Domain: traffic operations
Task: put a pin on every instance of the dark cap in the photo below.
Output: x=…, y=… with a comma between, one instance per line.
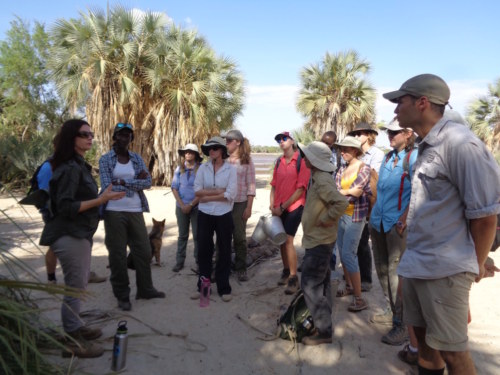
x=428, y=85
x=234, y=134
x=215, y=141
x=362, y=126
x=282, y=134
x=123, y=126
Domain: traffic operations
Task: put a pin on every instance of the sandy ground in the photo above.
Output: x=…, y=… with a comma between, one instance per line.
x=176, y=336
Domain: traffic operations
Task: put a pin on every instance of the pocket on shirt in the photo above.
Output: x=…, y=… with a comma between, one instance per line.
x=434, y=181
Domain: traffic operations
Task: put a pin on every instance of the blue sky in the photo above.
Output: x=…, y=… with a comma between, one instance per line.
x=271, y=41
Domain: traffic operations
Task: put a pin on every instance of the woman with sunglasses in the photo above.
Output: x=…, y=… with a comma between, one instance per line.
x=215, y=187
x=124, y=220
x=238, y=148
x=287, y=199
x=388, y=226
x=186, y=203
x=74, y=204
x=352, y=181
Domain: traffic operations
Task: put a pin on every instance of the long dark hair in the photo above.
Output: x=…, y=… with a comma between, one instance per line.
x=64, y=147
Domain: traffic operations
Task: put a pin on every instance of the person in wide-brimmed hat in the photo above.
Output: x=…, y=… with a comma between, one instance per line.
x=215, y=186
x=320, y=218
x=186, y=205
x=352, y=181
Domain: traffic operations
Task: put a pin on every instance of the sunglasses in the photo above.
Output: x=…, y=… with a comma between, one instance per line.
x=393, y=133
x=84, y=134
x=215, y=148
x=229, y=140
x=121, y=125
x=282, y=139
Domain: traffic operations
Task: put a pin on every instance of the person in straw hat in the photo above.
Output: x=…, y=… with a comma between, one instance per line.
x=320, y=218
x=186, y=203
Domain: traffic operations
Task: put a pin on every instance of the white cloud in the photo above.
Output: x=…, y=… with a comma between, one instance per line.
x=282, y=95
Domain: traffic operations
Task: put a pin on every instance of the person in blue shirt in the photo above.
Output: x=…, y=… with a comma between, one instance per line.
x=388, y=225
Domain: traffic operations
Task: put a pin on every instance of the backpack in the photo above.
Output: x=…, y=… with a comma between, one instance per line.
x=406, y=172
x=36, y=197
x=296, y=322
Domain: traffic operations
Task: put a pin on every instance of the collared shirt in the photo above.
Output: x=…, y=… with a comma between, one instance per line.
x=373, y=157
x=286, y=181
x=184, y=184
x=225, y=178
x=71, y=184
x=107, y=164
x=386, y=210
x=361, y=202
x=455, y=179
x=324, y=204
x=246, y=179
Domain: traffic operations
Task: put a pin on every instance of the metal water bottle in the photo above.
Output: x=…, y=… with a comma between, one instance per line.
x=120, y=347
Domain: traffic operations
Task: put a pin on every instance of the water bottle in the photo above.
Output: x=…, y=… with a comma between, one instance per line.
x=204, y=292
x=120, y=347
x=308, y=323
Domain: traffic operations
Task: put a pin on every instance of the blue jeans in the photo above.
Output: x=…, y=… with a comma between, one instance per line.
x=183, y=221
x=348, y=237
x=315, y=283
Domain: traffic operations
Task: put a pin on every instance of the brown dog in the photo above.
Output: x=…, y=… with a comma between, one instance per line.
x=155, y=239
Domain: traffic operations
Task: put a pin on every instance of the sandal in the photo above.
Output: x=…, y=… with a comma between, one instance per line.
x=358, y=304
x=343, y=292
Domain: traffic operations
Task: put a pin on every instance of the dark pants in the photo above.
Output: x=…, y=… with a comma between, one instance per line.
x=315, y=283
x=365, y=257
x=240, y=236
x=183, y=221
x=122, y=229
x=222, y=226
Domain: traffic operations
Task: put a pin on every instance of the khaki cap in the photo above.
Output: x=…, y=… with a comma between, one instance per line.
x=428, y=85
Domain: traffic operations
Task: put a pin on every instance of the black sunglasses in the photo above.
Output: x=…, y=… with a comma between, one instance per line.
x=122, y=125
x=84, y=134
x=282, y=139
x=393, y=133
x=215, y=148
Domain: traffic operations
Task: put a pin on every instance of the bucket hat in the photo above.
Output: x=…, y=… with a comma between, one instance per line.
x=215, y=141
x=350, y=141
x=190, y=147
x=362, y=126
x=318, y=155
x=428, y=85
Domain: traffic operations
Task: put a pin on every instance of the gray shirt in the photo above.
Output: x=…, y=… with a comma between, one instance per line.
x=373, y=158
x=455, y=179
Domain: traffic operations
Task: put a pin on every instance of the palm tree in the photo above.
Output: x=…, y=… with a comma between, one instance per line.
x=140, y=68
x=335, y=95
x=484, y=117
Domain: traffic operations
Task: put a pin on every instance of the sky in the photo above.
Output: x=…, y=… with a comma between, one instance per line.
x=272, y=41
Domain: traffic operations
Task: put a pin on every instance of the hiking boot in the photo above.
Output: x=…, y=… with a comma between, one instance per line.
x=366, y=286
x=285, y=274
x=178, y=267
x=293, y=285
x=407, y=356
x=385, y=318
x=357, y=304
x=79, y=347
x=150, y=294
x=398, y=335
x=317, y=338
x=125, y=304
x=87, y=333
x=93, y=278
x=242, y=276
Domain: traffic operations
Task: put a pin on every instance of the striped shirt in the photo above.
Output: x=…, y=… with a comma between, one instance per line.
x=245, y=179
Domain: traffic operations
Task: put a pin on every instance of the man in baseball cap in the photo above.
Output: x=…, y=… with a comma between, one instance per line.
x=451, y=224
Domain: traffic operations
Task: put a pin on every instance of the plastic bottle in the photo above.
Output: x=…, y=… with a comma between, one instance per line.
x=204, y=292
x=120, y=347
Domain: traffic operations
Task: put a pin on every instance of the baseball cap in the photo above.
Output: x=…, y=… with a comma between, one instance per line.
x=283, y=134
x=428, y=85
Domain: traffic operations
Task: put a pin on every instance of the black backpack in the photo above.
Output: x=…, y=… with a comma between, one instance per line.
x=36, y=197
x=296, y=322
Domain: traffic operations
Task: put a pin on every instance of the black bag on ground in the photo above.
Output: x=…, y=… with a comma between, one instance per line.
x=296, y=322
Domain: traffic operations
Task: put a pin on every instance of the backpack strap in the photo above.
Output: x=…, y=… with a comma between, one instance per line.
x=277, y=163
x=406, y=174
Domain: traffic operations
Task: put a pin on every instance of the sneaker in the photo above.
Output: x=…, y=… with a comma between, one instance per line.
x=178, y=267
x=357, y=304
x=149, y=295
x=317, y=339
x=398, y=335
x=407, y=356
x=242, y=276
x=293, y=285
x=89, y=333
x=226, y=297
x=385, y=318
x=366, y=286
x=195, y=295
x=125, y=304
x=93, y=278
x=285, y=274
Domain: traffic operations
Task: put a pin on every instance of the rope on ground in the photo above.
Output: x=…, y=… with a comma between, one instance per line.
x=268, y=336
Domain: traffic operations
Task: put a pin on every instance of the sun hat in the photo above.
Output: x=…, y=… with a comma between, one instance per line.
x=393, y=126
x=318, y=155
x=282, y=134
x=233, y=134
x=362, y=126
x=121, y=126
x=189, y=147
x=428, y=85
x=215, y=141
x=350, y=141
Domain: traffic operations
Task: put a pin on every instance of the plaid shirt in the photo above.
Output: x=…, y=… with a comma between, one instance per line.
x=245, y=179
x=363, y=181
x=107, y=164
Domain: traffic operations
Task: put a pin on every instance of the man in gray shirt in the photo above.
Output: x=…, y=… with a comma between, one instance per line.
x=451, y=224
